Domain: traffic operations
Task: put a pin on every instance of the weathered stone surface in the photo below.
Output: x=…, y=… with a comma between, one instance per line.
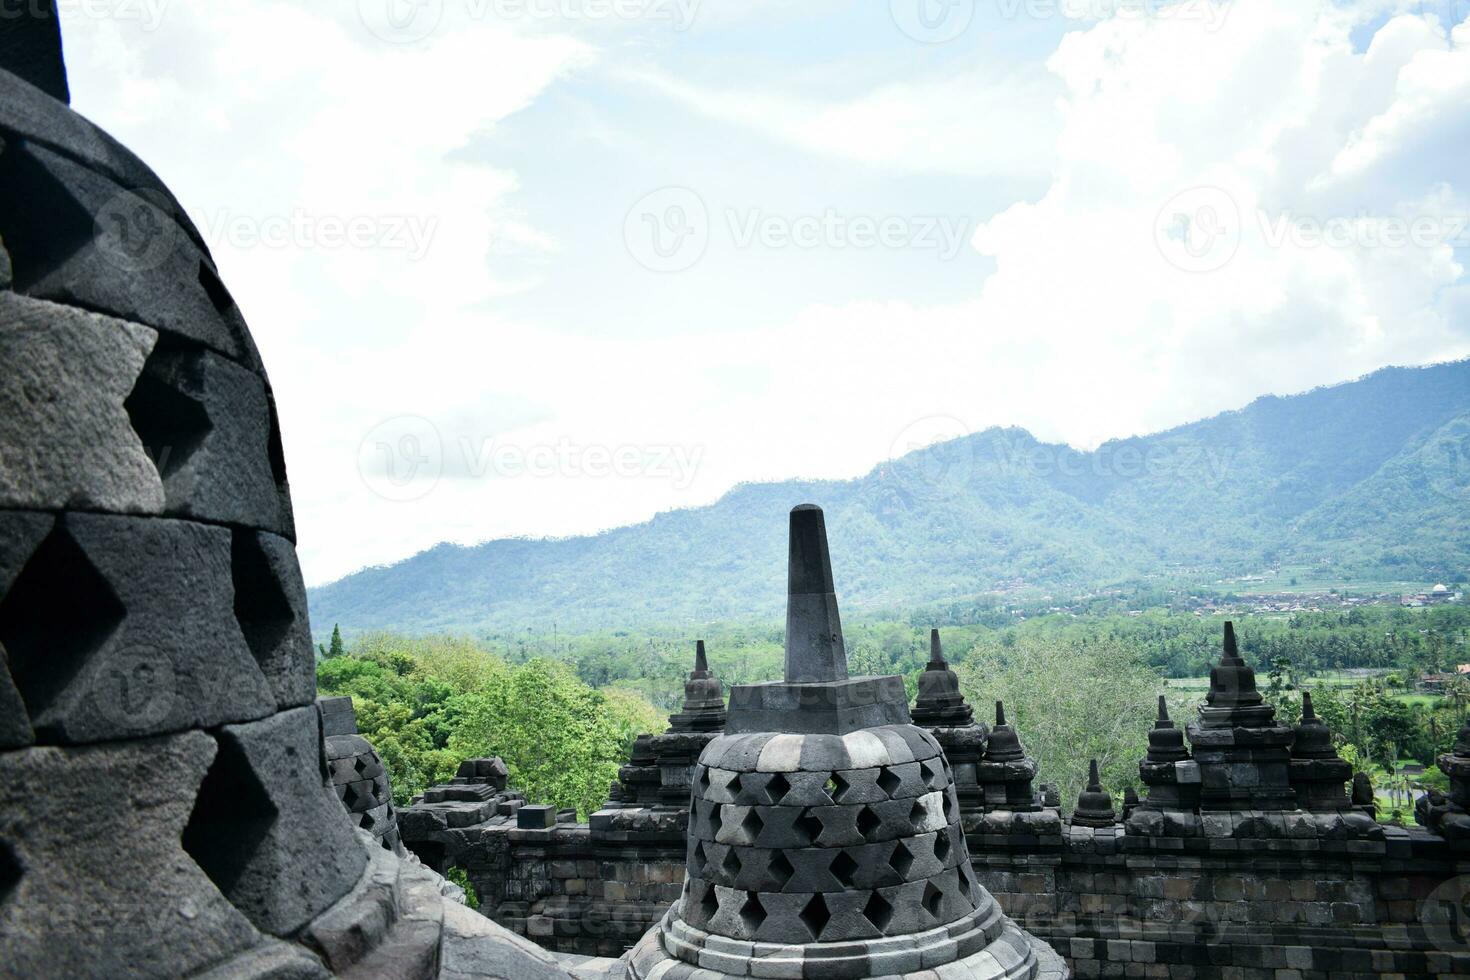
x=65, y=436
x=75, y=236
x=272, y=960
x=20, y=534
x=474, y=948
x=105, y=889
x=30, y=46
x=339, y=717
x=268, y=830
x=123, y=626
x=270, y=605
x=208, y=423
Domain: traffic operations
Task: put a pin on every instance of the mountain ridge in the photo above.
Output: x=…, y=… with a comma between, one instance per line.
x=1370, y=475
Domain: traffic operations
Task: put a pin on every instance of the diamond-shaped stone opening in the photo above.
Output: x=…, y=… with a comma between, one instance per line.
x=926, y=772
x=702, y=783
x=698, y=860
x=731, y=864
x=780, y=870
x=58, y=615
x=808, y=828
x=171, y=424
x=261, y=607
x=965, y=888
x=888, y=782
x=710, y=903
x=836, y=787
x=948, y=809
x=843, y=867
x=919, y=814
x=878, y=911
x=901, y=860
x=232, y=816
x=868, y=822
x=752, y=913
x=816, y=916
x=366, y=822
x=360, y=764
x=941, y=845
x=716, y=820
x=274, y=449
x=11, y=871
x=932, y=899
x=733, y=787
x=752, y=825
x=777, y=787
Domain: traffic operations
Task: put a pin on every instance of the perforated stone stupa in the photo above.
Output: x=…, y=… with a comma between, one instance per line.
x=824, y=831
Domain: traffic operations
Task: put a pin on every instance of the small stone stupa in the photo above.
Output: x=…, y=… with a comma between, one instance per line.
x=824, y=835
x=1171, y=786
x=942, y=709
x=1242, y=751
x=704, y=699
x=1318, y=774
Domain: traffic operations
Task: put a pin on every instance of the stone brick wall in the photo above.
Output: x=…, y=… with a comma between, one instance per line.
x=1115, y=904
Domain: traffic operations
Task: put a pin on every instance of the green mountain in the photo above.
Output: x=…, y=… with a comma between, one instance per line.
x=1367, y=481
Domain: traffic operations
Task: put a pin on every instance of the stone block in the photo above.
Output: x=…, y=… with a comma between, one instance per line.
x=338, y=715
x=118, y=627
x=93, y=834
x=535, y=817
x=267, y=828
x=209, y=423
x=65, y=434
x=270, y=606
x=838, y=707
x=82, y=239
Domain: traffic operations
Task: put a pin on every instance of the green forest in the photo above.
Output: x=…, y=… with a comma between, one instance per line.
x=1360, y=486
x=563, y=709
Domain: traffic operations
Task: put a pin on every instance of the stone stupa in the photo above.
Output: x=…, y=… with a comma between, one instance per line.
x=824, y=833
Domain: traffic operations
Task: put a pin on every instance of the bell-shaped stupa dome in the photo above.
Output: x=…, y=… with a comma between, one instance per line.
x=824, y=830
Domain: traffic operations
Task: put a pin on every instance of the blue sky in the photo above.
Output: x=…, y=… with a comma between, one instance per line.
x=540, y=267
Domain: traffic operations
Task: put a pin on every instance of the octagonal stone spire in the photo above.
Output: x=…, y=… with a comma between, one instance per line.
x=814, y=648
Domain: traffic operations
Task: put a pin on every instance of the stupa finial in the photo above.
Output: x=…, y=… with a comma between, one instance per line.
x=814, y=648
x=701, y=665
x=936, y=652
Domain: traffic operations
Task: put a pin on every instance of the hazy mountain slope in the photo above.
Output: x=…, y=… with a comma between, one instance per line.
x=1373, y=475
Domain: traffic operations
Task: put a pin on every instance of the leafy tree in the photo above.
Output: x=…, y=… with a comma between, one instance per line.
x=1070, y=702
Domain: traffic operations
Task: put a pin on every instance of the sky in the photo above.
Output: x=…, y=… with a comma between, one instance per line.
x=544, y=267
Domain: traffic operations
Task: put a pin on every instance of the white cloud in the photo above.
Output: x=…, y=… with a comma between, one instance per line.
x=1083, y=331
